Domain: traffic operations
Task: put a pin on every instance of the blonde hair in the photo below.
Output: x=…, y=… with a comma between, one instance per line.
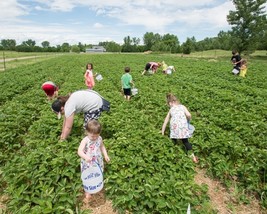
x=171, y=98
x=243, y=62
x=93, y=127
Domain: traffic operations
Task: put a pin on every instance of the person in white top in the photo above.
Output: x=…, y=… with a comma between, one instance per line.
x=92, y=149
x=87, y=101
x=178, y=115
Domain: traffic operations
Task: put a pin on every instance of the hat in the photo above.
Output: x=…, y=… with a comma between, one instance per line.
x=56, y=107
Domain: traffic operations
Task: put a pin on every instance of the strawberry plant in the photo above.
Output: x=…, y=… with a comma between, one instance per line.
x=147, y=173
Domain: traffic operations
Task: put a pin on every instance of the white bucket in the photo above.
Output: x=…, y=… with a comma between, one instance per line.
x=150, y=71
x=235, y=71
x=191, y=129
x=92, y=179
x=99, y=77
x=168, y=71
x=134, y=91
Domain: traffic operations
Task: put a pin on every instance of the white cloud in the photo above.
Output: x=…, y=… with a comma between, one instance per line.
x=10, y=10
x=111, y=19
x=98, y=25
x=205, y=16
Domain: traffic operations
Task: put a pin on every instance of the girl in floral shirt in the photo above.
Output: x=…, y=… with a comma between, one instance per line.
x=178, y=116
x=91, y=149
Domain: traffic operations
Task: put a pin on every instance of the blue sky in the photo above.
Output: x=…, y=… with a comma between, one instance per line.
x=92, y=21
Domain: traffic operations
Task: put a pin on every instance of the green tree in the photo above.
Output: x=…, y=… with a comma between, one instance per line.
x=45, y=44
x=82, y=47
x=30, y=43
x=187, y=46
x=65, y=47
x=263, y=43
x=224, y=39
x=193, y=44
x=37, y=49
x=75, y=49
x=161, y=46
x=171, y=41
x=8, y=44
x=24, y=48
x=249, y=24
x=151, y=39
x=136, y=41
x=112, y=47
x=127, y=46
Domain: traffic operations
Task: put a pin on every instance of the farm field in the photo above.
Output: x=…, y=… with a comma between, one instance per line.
x=12, y=59
x=147, y=173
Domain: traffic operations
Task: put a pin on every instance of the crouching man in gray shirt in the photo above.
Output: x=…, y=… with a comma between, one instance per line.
x=89, y=102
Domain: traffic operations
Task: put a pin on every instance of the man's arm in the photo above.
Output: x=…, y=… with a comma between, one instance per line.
x=67, y=126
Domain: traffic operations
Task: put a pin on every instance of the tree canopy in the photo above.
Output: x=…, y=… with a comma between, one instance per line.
x=248, y=24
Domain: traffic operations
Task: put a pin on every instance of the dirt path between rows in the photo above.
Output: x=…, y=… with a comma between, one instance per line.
x=220, y=199
x=19, y=58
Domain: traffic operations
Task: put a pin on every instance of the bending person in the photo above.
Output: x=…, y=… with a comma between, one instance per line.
x=151, y=67
x=50, y=89
x=87, y=101
x=236, y=61
x=167, y=69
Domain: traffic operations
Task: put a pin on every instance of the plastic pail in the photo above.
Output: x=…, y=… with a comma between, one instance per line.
x=191, y=129
x=92, y=179
x=134, y=91
x=168, y=71
x=235, y=71
x=99, y=77
x=150, y=71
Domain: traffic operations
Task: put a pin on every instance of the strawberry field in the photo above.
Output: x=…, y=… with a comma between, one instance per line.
x=147, y=172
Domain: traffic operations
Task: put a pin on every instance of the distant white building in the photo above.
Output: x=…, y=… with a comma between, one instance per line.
x=95, y=48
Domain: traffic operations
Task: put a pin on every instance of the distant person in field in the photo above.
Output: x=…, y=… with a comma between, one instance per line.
x=87, y=101
x=127, y=83
x=50, y=89
x=179, y=117
x=167, y=69
x=89, y=76
x=91, y=149
x=236, y=62
x=151, y=68
x=243, y=69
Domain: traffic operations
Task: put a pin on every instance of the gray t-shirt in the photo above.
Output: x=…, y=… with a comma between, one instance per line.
x=82, y=101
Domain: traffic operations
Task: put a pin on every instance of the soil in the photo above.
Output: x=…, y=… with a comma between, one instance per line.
x=18, y=58
x=3, y=199
x=98, y=204
x=222, y=200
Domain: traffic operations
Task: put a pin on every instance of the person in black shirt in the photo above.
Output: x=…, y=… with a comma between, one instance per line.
x=236, y=61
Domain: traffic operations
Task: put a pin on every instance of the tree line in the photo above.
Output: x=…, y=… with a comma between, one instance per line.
x=248, y=33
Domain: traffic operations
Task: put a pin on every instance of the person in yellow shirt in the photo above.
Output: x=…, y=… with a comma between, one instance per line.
x=243, y=68
x=166, y=69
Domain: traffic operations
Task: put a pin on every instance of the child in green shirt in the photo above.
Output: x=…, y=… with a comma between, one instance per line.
x=126, y=83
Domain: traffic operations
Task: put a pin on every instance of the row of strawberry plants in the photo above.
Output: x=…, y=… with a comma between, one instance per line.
x=146, y=110
x=55, y=205
x=236, y=149
x=20, y=104
x=245, y=129
x=239, y=131
x=142, y=158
